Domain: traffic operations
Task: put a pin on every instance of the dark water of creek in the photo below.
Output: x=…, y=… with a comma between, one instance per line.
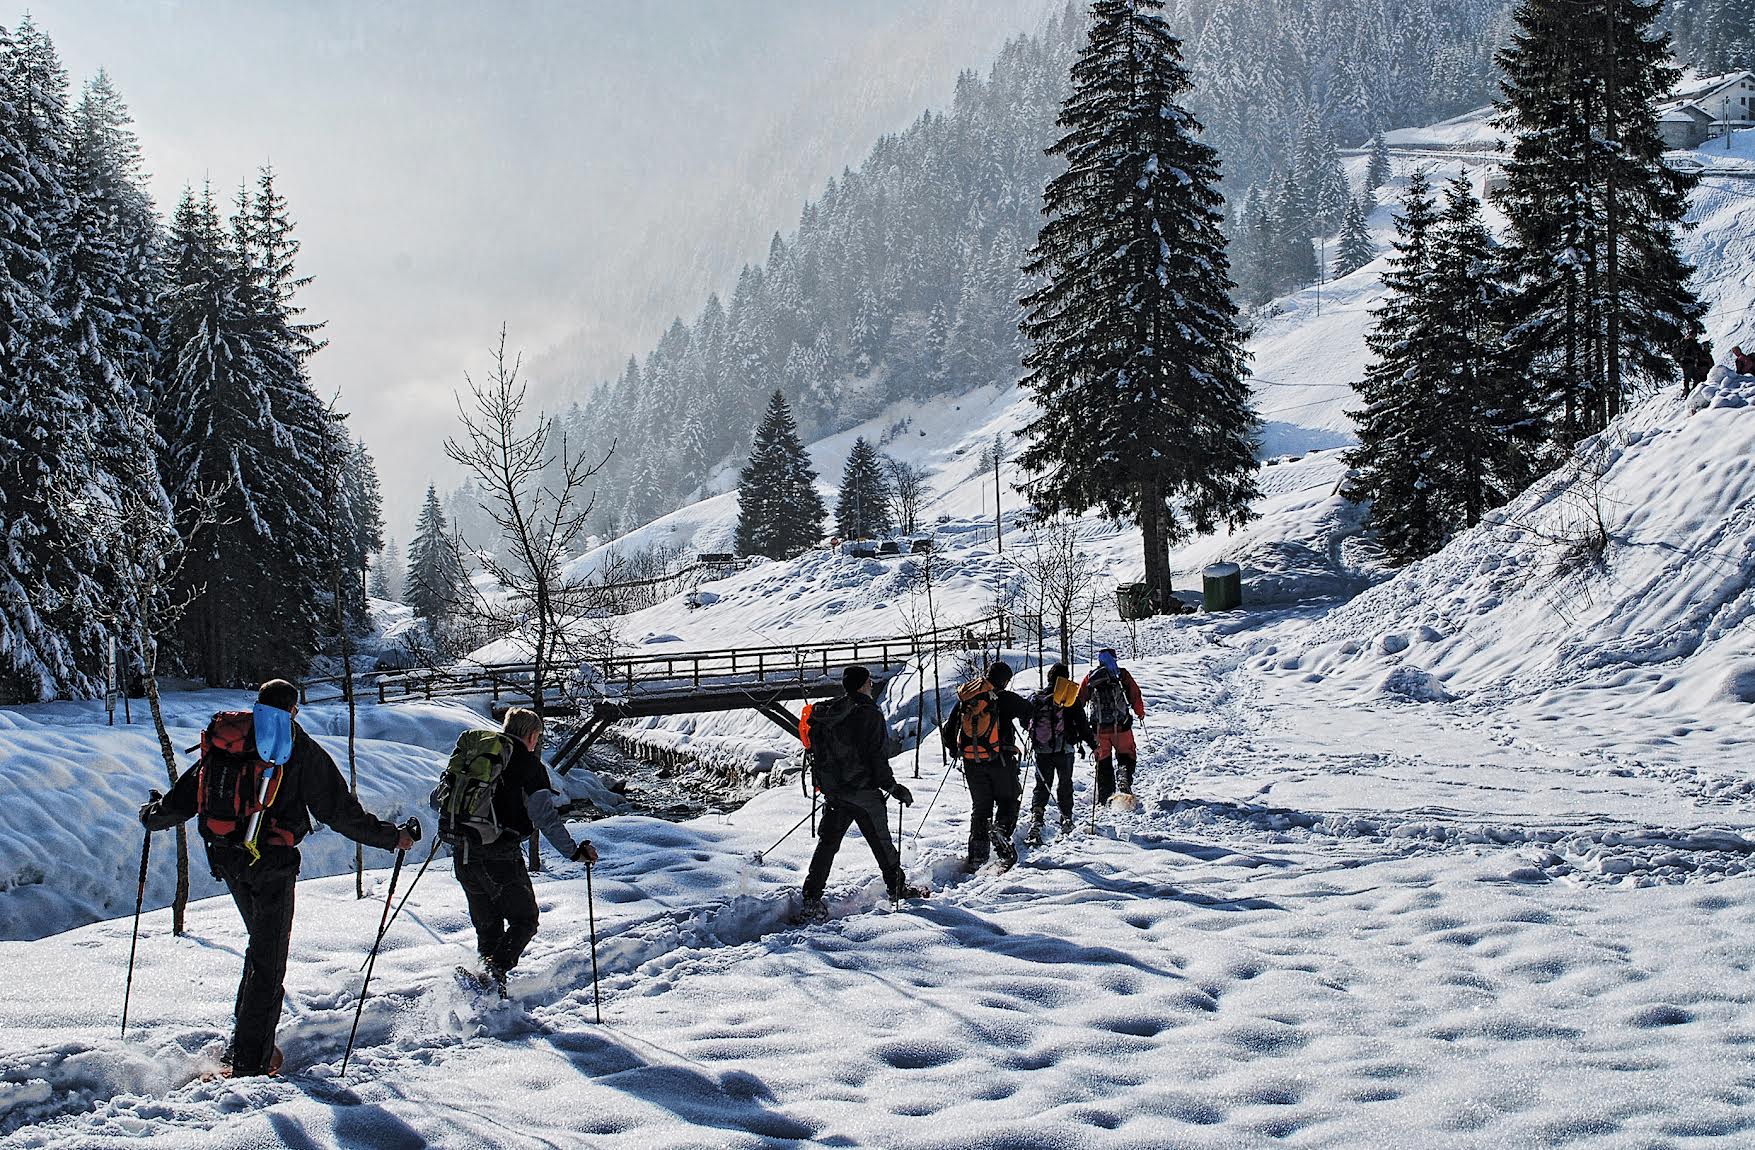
x=673, y=793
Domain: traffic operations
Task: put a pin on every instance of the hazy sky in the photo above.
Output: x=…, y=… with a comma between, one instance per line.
x=453, y=165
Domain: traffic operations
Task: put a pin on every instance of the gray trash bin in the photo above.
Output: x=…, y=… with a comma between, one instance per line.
x=1222, y=587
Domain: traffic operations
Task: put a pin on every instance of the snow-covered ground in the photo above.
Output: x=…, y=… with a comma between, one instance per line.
x=1463, y=860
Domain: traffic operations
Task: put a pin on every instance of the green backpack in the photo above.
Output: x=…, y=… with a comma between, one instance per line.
x=465, y=797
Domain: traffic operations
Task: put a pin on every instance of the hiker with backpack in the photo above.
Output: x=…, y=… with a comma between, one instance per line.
x=1114, y=699
x=1057, y=726
x=493, y=795
x=258, y=785
x=981, y=734
x=850, y=746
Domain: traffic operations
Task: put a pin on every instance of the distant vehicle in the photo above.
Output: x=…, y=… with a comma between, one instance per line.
x=889, y=547
x=920, y=546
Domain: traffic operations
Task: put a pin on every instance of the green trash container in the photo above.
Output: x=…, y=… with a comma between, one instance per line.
x=1222, y=587
x=1133, y=601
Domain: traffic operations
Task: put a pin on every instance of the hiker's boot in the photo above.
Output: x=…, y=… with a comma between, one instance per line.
x=907, y=891
x=814, y=908
x=1003, y=847
x=1033, y=835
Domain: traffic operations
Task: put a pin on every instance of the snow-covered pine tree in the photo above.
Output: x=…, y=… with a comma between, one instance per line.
x=1136, y=360
x=1294, y=256
x=436, y=580
x=237, y=411
x=53, y=580
x=1602, y=294
x=862, y=510
x=365, y=523
x=1399, y=419
x=1355, y=250
x=779, y=512
x=1489, y=431
x=1377, y=169
x=385, y=581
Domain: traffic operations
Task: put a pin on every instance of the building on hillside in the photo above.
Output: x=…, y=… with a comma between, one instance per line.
x=1686, y=126
x=1701, y=109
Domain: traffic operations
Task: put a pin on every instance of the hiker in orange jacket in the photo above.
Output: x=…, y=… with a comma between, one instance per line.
x=1113, y=699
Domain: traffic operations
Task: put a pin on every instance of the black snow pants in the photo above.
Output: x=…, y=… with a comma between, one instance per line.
x=1053, y=767
x=502, y=903
x=869, y=810
x=994, y=792
x=264, y=897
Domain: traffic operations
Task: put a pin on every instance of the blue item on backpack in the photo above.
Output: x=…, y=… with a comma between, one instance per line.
x=274, y=733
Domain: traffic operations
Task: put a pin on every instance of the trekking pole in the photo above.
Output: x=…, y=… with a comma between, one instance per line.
x=139, y=901
x=413, y=828
x=761, y=856
x=591, y=916
x=403, y=901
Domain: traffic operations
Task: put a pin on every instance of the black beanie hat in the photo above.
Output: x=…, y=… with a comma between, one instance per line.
x=1000, y=673
x=1058, y=671
x=854, y=678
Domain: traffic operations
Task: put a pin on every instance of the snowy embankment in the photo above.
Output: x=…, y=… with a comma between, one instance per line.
x=70, y=785
x=1629, y=574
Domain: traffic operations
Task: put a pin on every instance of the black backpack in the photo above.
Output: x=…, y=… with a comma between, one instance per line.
x=1109, y=709
x=837, y=767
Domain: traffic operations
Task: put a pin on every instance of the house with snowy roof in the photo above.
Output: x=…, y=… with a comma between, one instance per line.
x=1705, y=107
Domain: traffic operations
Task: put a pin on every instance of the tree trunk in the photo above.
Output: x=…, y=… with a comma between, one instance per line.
x=1157, y=546
x=180, y=901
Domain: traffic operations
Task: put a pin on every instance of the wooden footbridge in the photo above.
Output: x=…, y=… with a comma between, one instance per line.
x=627, y=686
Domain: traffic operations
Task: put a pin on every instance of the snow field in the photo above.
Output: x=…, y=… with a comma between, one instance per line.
x=1292, y=944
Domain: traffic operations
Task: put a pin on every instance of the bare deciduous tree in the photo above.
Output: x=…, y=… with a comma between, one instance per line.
x=908, y=487
x=1061, y=579
x=539, y=494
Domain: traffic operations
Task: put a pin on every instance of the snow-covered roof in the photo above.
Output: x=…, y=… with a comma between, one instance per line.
x=1692, y=112
x=1707, y=86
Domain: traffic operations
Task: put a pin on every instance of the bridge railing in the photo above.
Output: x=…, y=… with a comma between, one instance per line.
x=764, y=664
x=672, y=670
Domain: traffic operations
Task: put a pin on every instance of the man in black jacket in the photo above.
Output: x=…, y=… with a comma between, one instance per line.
x=990, y=759
x=309, y=786
x=494, y=877
x=851, y=743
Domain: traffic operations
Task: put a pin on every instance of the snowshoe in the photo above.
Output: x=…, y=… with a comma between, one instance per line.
x=483, y=982
x=1033, y=836
x=811, y=910
x=1005, y=848
x=908, y=891
x=1066, y=825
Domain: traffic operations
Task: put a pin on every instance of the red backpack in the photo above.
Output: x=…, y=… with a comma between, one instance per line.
x=236, y=784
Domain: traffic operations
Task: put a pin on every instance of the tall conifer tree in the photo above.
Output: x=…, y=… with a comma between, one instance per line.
x=1398, y=419
x=1355, y=250
x=779, y=512
x=1601, y=290
x=1136, y=360
x=863, y=509
x=436, y=580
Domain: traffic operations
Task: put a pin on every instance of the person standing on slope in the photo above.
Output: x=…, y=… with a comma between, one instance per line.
x=1114, y=699
x=1056, y=726
x=850, y=743
x=260, y=781
x=488, y=852
x=981, y=733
